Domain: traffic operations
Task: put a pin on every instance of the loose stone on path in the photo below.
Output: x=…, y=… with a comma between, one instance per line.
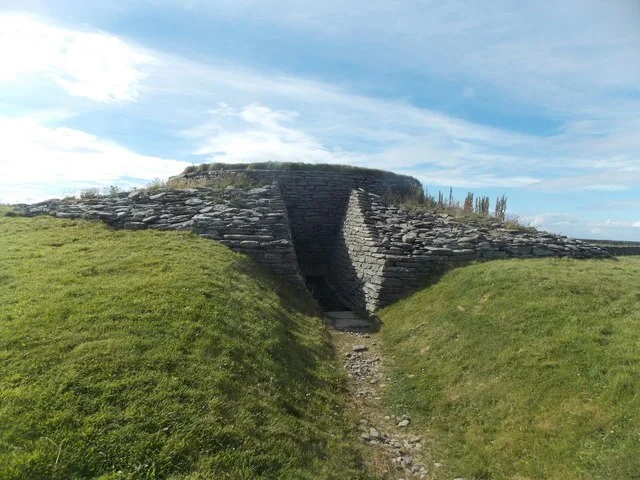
x=362, y=362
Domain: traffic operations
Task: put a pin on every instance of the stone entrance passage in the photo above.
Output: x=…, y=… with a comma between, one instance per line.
x=324, y=293
x=316, y=206
x=316, y=201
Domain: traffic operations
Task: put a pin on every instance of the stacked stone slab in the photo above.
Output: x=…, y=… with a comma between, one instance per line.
x=316, y=202
x=385, y=251
x=251, y=221
x=357, y=264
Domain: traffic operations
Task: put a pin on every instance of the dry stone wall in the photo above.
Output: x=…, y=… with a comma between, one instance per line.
x=395, y=250
x=252, y=221
x=357, y=264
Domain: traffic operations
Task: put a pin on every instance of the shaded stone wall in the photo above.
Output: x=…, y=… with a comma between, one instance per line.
x=316, y=202
x=251, y=221
x=356, y=269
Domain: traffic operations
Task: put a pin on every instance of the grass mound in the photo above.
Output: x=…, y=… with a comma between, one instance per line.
x=523, y=369
x=142, y=355
x=291, y=166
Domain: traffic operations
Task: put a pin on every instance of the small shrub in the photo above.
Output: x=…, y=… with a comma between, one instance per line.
x=482, y=206
x=112, y=190
x=182, y=183
x=156, y=184
x=88, y=193
x=468, y=211
x=514, y=222
x=412, y=198
x=468, y=203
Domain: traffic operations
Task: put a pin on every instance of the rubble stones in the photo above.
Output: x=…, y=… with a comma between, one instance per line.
x=362, y=369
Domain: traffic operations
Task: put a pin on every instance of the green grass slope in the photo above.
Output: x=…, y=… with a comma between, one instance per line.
x=523, y=369
x=142, y=355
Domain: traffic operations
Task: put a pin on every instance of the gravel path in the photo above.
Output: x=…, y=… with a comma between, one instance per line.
x=394, y=447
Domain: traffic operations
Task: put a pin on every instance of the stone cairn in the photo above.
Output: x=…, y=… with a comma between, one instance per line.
x=371, y=253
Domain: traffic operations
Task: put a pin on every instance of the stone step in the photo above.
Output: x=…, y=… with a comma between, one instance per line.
x=348, y=321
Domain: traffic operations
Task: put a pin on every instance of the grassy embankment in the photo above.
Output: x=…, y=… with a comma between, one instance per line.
x=141, y=355
x=523, y=369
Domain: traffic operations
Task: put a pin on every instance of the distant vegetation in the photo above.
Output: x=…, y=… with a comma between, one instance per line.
x=467, y=210
x=614, y=243
x=157, y=355
x=221, y=182
x=174, y=183
x=522, y=369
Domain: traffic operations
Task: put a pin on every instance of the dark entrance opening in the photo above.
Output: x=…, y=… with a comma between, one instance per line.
x=324, y=294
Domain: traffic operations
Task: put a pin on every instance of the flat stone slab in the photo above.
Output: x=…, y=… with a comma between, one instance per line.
x=348, y=321
x=347, y=315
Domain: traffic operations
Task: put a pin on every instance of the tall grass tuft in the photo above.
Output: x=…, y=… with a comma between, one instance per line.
x=220, y=182
x=501, y=207
x=470, y=210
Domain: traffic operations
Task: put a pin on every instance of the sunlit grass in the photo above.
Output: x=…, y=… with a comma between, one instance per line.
x=148, y=354
x=523, y=368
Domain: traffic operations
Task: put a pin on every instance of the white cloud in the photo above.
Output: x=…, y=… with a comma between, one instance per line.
x=257, y=133
x=552, y=220
x=621, y=223
x=273, y=116
x=577, y=226
x=503, y=51
x=38, y=161
x=561, y=56
x=93, y=65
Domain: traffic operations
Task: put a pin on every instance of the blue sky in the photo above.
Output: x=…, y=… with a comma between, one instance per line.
x=540, y=102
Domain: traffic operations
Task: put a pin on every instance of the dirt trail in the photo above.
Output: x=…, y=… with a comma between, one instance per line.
x=393, y=450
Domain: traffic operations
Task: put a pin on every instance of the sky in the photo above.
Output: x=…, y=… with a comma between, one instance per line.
x=539, y=101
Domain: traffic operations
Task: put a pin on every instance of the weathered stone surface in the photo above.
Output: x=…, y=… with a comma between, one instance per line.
x=316, y=203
